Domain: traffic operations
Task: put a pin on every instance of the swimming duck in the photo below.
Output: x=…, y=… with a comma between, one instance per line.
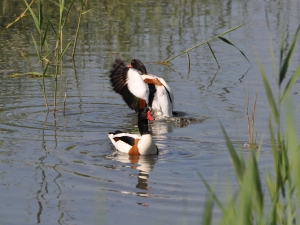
x=135, y=144
x=140, y=89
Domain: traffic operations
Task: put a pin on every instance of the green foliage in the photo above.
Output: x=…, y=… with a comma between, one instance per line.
x=248, y=205
x=46, y=55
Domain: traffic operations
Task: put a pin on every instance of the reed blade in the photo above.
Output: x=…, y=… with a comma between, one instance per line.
x=273, y=146
x=68, y=11
x=196, y=46
x=212, y=194
x=63, y=52
x=208, y=210
x=40, y=14
x=53, y=28
x=36, y=48
x=288, y=58
x=86, y=11
x=290, y=84
x=237, y=162
x=269, y=92
x=257, y=185
x=228, y=42
x=35, y=19
x=44, y=87
x=293, y=141
x=189, y=61
x=20, y=16
x=212, y=52
x=45, y=34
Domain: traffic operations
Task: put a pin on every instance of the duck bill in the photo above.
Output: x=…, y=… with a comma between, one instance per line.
x=129, y=66
x=149, y=116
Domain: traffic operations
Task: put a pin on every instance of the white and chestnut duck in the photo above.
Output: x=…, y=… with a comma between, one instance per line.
x=135, y=144
x=140, y=89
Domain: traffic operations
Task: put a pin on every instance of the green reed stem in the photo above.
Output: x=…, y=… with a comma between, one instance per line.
x=212, y=52
x=196, y=46
x=44, y=87
x=77, y=31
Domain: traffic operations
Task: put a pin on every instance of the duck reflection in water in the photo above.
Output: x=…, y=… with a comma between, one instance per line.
x=144, y=165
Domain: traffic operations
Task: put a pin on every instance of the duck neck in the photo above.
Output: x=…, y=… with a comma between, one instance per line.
x=143, y=126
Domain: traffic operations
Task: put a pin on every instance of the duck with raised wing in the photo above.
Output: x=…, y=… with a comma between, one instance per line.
x=140, y=89
x=135, y=144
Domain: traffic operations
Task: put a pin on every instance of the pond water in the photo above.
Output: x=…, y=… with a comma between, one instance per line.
x=62, y=169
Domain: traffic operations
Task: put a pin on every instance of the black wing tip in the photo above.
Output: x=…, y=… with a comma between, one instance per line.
x=127, y=139
x=118, y=80
x=117, y=65
x=118, y=75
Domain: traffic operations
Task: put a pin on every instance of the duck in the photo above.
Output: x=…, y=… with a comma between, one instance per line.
x=140, y=89
x=134, y=144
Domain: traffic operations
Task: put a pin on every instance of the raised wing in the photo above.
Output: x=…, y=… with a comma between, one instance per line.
x=130, y=85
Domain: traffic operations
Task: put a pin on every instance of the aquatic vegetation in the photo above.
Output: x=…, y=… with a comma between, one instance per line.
x=207, y=42
x=47, y=31
x=252, y=202
x=250, y=123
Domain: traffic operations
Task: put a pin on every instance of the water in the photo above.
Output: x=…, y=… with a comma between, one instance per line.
x=62, y=168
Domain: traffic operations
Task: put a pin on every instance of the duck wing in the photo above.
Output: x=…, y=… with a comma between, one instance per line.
x=129, y=84
x=123, y=141
x=161, y=98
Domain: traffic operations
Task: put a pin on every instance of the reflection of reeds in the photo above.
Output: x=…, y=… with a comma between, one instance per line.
x=247, y=204
x=250, y=123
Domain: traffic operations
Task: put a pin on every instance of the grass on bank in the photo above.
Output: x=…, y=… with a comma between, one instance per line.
x=279, y=201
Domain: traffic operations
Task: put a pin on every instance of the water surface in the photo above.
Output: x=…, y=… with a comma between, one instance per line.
x=62, y=169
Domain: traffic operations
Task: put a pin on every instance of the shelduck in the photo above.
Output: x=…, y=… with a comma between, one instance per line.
x=135, y=144
x=140, y=89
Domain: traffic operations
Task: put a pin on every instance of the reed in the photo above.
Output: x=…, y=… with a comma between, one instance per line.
x=250, y=123
x=166, y=61
x=52, y=56
x=279, y=201
x=78, y=26
x=41, y=43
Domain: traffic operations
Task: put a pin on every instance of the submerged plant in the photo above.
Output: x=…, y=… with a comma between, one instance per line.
x=280, y=202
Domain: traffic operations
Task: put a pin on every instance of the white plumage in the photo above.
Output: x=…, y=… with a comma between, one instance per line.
x=140, y=89
x=135, y=144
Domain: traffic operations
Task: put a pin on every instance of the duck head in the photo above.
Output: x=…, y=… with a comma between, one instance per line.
x=138, y=65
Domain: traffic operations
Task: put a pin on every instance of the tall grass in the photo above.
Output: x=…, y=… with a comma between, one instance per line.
x=249, y=204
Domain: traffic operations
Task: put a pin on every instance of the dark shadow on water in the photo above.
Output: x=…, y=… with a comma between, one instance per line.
x=242, y=77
